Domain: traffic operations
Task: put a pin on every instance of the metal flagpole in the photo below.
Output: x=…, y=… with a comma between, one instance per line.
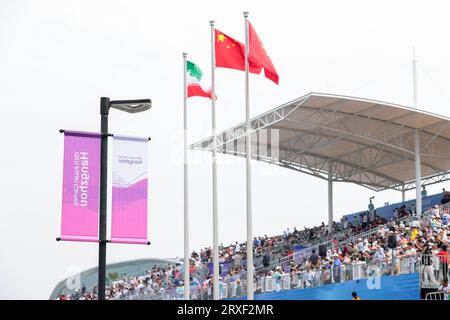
x=417, y=161
x=186, y=188
x=248, y=148
x=214, y=171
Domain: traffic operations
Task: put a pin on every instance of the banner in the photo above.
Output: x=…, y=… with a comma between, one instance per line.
x=81, y=186
x=129, y=192
x=224, y=267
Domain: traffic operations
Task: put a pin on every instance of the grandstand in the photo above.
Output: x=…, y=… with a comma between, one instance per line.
x=88, y=278
x=293, y=272
x=337, y=138
x=374, y=144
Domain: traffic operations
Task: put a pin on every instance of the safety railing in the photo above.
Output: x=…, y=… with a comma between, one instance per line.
x=342, y=234
x=171, y=294
x=304, y=254
x=317, y=277
x=329, y=237
x=434, y=296
x=236, y=286
x=445, y=208
x=196, y=293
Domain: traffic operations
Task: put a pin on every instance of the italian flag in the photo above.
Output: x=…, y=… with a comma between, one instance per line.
x=193, y=77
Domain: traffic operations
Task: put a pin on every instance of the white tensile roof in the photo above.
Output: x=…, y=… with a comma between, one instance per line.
x=363, y=141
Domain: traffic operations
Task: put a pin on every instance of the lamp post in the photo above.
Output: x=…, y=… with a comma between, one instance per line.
x=130, y=106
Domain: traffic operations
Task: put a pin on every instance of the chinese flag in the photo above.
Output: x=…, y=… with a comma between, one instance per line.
x=231, y=54
x=258, y=57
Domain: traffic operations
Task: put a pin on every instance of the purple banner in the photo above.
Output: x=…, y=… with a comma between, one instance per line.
x=224, y=267
x=129, y=192
x=81, y=186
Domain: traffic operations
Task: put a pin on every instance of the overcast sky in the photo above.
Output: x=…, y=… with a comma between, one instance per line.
x=57, y=58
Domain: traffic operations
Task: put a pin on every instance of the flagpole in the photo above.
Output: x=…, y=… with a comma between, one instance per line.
x=417, y=160
x=186, y=188
x=214, y=171
x=248, y=170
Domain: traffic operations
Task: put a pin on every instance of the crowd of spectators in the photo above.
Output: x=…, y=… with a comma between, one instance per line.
x=155, y=282
x=395, y=247
x=427, y=235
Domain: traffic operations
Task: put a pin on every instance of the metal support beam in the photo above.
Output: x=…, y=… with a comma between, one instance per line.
x=416, y=141
x=403, y=192
x=330, y=196
x=418, y=174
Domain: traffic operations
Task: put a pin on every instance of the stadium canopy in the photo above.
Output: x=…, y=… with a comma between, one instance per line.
x=374, y=144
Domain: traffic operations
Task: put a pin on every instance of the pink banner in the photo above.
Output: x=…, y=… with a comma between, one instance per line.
x=81, y=187
x=129, y=192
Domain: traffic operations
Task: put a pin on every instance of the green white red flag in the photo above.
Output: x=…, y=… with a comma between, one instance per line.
x=193, y=81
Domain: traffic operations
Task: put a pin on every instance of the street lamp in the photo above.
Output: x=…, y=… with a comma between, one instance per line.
x=130, y=106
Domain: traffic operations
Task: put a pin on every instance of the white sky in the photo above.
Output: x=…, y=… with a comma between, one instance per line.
x=57, y=58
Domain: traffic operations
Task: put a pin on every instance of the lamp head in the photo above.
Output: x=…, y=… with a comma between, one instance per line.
x=131, y=106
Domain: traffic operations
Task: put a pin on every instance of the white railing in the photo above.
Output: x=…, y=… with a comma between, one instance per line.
x=303, y=279
x=434, y=296
x=316, y=277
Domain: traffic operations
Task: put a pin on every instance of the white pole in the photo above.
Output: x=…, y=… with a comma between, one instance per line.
x=403, y=192
x=186, y=188
x=414, y=71
x=416, y=140
x=418, y=173
x=248, y=146
x=214, y=172
x=330, y=196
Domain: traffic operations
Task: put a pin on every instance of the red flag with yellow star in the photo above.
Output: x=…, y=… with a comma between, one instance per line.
x=257, y=55
x=230, y=53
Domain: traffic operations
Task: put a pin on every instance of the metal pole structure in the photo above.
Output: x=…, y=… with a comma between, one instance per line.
x=104, y=112
x=330, y=196
x=403, y=192
x=414, y=74
x=186, y=189
x=416, y=140
x=418, y=173
x=248, y=151
x=214, y=171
